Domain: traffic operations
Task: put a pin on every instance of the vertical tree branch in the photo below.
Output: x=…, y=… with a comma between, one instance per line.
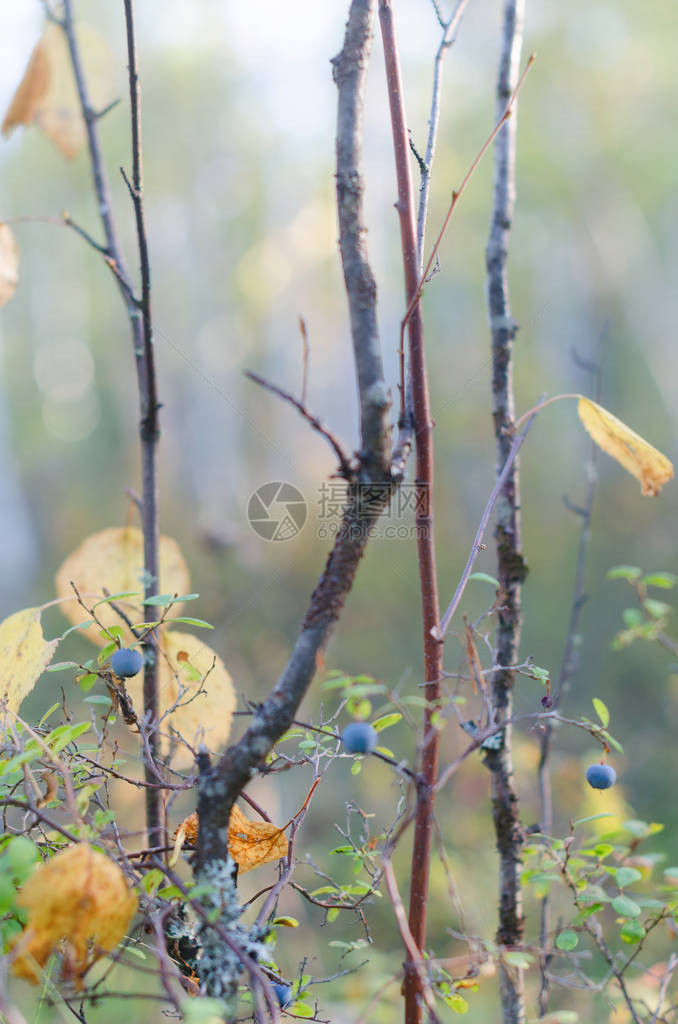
x=511, y=566
x=219, y=785
x=423, y=432
x=349, y=70
x=149, y=431
x=138, y=311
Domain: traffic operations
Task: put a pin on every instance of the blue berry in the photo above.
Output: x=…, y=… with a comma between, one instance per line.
x=359, y=738
x=284, y=994
x=126, y=662
x=600, y=776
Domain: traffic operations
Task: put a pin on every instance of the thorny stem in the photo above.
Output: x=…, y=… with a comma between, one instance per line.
x=138, y=311
x=423, y=432
x=511, y=570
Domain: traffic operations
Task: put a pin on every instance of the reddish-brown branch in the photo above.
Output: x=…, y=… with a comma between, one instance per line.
x=423, y=432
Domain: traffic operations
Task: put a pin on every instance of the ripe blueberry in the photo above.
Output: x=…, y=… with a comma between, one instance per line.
x=600, y=776
x=126, y=662
x=284, y=994
x=359, y=738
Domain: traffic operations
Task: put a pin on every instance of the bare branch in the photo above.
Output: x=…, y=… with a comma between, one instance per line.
x=349, y=71
x=345, y=468
x=511, y=568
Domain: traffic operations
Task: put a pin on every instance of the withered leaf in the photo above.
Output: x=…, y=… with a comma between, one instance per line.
x=79, y=901
x=250, y=843
x=47, y=94
x=24, y=655
x=632, y=451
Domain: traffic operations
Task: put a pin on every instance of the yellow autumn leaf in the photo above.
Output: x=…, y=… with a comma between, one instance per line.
x=47, y=95
x=638, y=457
x=195, y=683
x=9, y=264
x=250, y=843
x=113, y=559
x=78, y=902
x=24, y=655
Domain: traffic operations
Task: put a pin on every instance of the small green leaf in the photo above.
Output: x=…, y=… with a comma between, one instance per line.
x=19, y=858
x=386, y=751
x=193, y=622
x=87, y=682
x=624, y=572
x=632, y=931
x=657, y=609
x=301, y=1010
x=105, y=652
x=567, y=940
x=626, y=876
x=484, y=577
x=602, y=712
x=386, y=721
x=356, y=768
x=80, y=625
x=664, y=580
x=171, y=892
x=632, y=617
x=47, y=713
x=625, y=907
x=115, y=597
x=61, y=666
x=456, y=1003
x=98, y=698
x=593, y=817
x=637, y=828
x=163, y=600
x=332, y=914
x=518, y=959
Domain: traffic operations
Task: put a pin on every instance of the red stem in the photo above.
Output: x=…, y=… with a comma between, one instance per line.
x=423, y=431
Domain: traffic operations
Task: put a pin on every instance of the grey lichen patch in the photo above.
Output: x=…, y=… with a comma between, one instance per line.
x=225, y=943
x=259, y=746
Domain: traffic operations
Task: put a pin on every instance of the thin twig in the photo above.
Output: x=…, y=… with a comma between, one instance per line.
x=477, y=546
x=345, y=468
x=449, y=34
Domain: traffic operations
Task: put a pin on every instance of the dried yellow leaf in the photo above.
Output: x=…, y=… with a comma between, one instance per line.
x=9, y=264
x=30, y=91
x=24, y=655
x=250, y=843
x=638, y=457
x=78, y=902
x=47, y=94
x=114, y=559
x=195, y=694
x=253, y=843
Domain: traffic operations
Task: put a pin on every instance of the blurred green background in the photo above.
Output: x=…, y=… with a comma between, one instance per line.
x=238, y=117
